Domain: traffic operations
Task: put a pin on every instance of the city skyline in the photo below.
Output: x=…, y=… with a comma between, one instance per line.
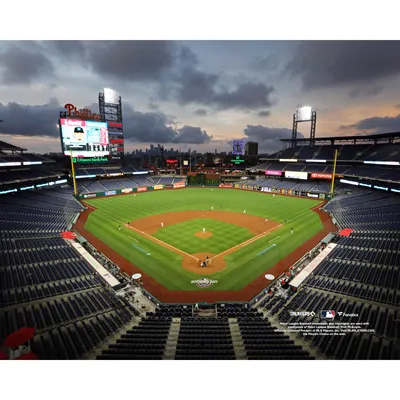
x=200, y=94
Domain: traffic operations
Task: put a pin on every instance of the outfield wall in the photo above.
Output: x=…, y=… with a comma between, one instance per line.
x=241, y=186
x=286, y=192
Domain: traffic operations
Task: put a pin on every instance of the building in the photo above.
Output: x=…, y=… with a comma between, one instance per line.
x=251, y=149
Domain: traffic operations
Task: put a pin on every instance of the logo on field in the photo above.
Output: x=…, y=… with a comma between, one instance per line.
x=204, y=282
x=328, y=314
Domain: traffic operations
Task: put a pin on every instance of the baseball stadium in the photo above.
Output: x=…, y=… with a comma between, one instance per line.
x=291, y=256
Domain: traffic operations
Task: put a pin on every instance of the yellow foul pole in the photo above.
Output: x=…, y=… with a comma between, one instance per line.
x=334, y=173
x=73, y=173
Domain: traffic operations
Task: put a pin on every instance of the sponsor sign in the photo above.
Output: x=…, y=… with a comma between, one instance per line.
x=90, y=195
x=158, y=187
x=179, y=185
x=273, y=172
x=226, y=185
x=328, y=314
x=204, y=282
x=111, y=193
x=318, y=175
x=126, y=190
x=302, y=313
x=84, y=114
x=296, y=175
x=312, y=195
x=142, y=189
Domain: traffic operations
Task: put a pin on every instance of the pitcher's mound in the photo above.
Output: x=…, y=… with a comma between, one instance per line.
x=202, y=235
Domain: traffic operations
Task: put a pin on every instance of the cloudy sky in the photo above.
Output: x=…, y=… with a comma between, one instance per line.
x=200, y=93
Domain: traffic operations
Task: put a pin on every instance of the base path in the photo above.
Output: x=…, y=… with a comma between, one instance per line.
x=254, y=224
x=210, y=296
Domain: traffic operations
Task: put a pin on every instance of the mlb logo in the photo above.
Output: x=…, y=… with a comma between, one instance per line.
x=329, y=314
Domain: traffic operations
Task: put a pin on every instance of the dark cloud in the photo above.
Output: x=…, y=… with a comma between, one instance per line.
x=366, y=91
x=26, y=120
x=192, y=135
x=21, y=64
x=173, y=68
x=201, y=112
x=270, y=63
x=41, y=120
x=130, y=60
x=376, y=125
x=268, y=138
x=321, y=64
x=264, y=113
x=194, y=86
x=153, y=106
x=156, y=127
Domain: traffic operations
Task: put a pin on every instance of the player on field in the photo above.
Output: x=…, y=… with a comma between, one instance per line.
x=204, y=230
x=162, y=224
x=212, y=208
x=291, y=231
x=119, y=228
x=244, y=211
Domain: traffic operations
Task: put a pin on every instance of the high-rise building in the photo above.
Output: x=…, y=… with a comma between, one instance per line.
x=251, y=149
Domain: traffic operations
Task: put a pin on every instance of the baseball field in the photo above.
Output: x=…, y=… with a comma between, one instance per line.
x=168, y=234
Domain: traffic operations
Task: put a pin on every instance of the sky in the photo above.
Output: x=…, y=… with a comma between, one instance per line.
x=200, y=94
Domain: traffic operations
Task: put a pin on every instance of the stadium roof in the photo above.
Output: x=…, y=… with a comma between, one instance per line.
x=7, y=146
x=381, y=137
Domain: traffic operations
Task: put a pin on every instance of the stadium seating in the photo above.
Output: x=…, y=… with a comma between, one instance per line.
x=204, y=337
x=361, y=275
x=44, y=282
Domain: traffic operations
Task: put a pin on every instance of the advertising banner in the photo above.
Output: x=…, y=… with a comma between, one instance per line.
x=179, y=185
x=273, y=172
x=126, y=190
x=89, y=195
x=226, y=185
x=312, y=195
x=110, y=193
x=158, y=187
x=296, y=175
x=319, y=175
x=142, y=189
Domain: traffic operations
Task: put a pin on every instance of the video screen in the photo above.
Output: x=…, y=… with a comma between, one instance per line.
x=238, y=147
x=84, y=138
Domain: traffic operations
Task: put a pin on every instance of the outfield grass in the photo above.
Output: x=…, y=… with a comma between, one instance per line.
x=242, y=266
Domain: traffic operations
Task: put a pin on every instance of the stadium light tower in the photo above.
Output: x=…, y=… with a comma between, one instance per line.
x=304, y=114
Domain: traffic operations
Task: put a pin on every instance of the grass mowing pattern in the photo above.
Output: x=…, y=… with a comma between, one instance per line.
x=242, y=266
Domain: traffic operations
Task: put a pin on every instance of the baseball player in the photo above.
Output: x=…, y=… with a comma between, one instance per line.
x=244, y=211
x=119, y=228
x=212, y=208
x=162, y=224
x=291, y=231
x=204, y=230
